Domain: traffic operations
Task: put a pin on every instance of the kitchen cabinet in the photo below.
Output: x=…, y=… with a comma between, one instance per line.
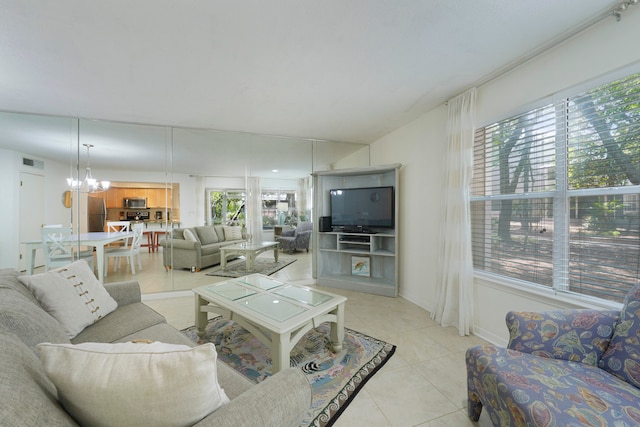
x=156, y=194
x=114, y=197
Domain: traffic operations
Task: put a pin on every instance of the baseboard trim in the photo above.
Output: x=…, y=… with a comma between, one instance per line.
x=490, y=337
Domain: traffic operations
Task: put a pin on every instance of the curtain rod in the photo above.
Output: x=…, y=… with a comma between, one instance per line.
x=616, y=11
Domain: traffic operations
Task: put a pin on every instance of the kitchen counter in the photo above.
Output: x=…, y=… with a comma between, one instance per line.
x=161, y=223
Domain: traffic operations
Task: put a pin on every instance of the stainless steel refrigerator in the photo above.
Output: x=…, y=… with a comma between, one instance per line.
x=97, y=213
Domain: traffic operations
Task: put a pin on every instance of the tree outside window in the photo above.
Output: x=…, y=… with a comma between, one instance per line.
x=279, y=208
x=555, y=191
x=227, y=207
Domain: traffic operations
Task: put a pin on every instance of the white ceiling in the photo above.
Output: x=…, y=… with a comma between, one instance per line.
x=342, y=70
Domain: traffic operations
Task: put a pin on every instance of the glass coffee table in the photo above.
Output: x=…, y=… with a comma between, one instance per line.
x=275, y=312
x=250, y=250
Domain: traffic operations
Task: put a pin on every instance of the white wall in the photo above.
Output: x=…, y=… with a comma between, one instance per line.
x=55, y=213
x=358, y=159
x=9, y=194
x=420, y=147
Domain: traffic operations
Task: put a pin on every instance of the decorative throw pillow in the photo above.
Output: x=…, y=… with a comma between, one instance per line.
x=188, y=235
x=72, y=295
x=220, y=232
x=622, y=357
x=152, y=384
x=232, y=233
x=207, y=234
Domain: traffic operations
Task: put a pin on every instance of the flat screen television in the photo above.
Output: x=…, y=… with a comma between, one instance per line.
x=354, y=208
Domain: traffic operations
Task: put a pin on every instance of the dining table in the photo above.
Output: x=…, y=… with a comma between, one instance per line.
x=96, y=239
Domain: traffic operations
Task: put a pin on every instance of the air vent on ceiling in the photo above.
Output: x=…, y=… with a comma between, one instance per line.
x=39, y=164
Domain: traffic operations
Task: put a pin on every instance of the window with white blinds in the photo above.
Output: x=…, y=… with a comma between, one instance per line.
x=555, y=193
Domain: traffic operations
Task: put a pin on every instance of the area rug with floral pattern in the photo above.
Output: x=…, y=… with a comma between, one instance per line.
x=264, y=266
x=336, y=378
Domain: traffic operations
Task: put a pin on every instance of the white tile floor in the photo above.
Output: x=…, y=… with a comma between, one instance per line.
x=423, y=384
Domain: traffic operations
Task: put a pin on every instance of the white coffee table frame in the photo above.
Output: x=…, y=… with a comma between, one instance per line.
x=250, y=252
x=279, y=336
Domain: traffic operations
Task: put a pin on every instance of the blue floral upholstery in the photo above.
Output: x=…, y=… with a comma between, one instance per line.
x=622, y=358
x=551, y=373
x=575, y=335
x=520, y=389
x=290, y=240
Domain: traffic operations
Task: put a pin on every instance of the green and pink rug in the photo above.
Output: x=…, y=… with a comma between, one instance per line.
x=335, y=378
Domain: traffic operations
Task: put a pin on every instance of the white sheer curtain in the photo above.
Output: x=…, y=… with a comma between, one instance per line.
x=454, y=296
x=305, y=199
x=254, y=208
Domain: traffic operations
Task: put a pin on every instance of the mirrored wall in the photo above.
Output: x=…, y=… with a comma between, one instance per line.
x=174, y=169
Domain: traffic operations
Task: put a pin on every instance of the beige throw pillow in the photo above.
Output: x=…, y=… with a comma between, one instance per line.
x=72, y=295
x=188, y=235
x=232, y=233
x=129, y=384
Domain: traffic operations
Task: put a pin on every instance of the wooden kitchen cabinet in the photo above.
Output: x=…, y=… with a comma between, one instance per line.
x=151, y=194
x=154, y=193
x=113, y=198
x=156, y=197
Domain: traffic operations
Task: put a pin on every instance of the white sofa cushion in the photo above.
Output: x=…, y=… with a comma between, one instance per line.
x=188, y=235
x=154, y=384
x=72, y=295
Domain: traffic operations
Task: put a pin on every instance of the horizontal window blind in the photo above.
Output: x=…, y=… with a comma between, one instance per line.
x=512, y=225
x=555, y=193
x=523, y=251
x=604, y=136
x=604, y=247
x=516, y=155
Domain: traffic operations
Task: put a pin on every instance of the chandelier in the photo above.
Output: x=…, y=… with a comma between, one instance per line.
x=89, y=184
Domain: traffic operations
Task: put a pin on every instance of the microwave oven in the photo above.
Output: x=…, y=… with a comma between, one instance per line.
x=134, y=203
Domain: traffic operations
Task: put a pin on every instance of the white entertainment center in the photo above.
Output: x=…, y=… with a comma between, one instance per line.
x=361, y=259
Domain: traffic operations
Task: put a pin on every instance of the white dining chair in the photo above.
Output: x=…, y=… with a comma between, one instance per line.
x=58, y=246
x=131, y=251
x=118, y=227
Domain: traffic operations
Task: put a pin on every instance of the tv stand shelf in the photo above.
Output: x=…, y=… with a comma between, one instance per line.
x=373, y=244
x=337, y=253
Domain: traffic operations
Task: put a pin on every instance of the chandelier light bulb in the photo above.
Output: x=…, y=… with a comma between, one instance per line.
x=89, y=184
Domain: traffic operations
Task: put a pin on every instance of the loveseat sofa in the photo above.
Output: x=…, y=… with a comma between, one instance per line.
x=198, y=247
x=561, y=368
x=29, y=398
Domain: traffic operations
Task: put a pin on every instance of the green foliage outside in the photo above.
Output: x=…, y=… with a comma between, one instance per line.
x=603, y=150
x=227, y=208
x=601, y=219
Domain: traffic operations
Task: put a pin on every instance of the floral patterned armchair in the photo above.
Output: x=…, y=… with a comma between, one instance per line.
x=290, y=240
x=569, y=367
